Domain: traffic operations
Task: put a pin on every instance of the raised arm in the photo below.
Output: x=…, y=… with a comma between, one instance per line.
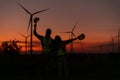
x=35, y=27
x=80, y=37
x=70, y=40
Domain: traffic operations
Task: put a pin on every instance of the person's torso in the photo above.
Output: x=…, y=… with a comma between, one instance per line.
x=61, y=49
x=46, y=45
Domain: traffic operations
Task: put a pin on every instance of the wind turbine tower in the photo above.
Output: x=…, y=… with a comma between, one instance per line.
x=25, y=41
x=31, y=23
x=81, y=47
x=101, y=48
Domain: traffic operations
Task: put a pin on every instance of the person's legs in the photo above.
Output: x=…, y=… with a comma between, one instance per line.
x=59, y=69
x=44, y=67
x=65, y=67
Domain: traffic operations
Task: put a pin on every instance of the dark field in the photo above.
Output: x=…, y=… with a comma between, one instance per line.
x=81, y=67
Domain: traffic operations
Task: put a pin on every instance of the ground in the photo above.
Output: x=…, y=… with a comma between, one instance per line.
x=81, y=67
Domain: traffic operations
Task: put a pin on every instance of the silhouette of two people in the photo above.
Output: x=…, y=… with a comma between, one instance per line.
x=54, y=52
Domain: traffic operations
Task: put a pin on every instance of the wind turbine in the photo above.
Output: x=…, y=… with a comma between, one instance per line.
x=101, y=47
x=72, y=35
x=112, y=43
x=81, y=46
x=31, y=22
x=118, y=37
x=25, y=41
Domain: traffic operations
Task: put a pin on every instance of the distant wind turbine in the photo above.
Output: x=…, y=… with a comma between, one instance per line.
x=81, y=46
x=101, y=48
x=31, y=22
x=72, y=35
x=25, y=41
x=112, y=43
x=118, y=37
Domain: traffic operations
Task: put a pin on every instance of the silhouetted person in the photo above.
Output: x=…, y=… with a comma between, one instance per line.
x=46, y=47
x=60, y=50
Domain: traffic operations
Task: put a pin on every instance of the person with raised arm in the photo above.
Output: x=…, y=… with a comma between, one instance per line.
x=60, y=50
x=46, y=47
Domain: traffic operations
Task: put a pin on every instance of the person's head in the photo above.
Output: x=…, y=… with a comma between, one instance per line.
x=48, y=32
x=58, y=38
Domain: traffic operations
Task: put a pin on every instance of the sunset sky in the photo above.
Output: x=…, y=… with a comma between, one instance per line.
x=97, y=19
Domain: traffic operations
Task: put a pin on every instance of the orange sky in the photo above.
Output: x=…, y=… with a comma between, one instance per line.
x=97, y=19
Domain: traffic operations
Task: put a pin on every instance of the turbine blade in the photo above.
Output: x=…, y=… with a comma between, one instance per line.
x=41, y=11
x=28, y=36
x=66, y=32
x=29, y=23
x=116, y=36
x=22, y=35
x=74, y=27
x=73, y=34
x=24, y=8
